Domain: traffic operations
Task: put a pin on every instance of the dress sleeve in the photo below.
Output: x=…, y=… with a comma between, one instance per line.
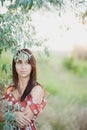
x=35, y=107
x=6, y=95
x=9, y=89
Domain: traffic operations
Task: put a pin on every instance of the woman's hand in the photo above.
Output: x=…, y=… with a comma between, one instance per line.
x=28, y=113
x=21, y=119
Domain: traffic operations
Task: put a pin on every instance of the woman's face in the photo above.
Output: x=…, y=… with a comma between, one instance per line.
x=23, y=68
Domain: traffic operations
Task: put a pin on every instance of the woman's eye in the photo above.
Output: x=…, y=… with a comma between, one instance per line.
x=22, y=62
x=26, y=62
x=18, y=62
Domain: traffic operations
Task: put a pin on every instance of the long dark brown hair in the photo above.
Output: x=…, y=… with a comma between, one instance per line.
x=32, y=81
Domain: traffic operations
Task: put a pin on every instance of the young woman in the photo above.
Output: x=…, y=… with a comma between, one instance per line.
x=23, y=100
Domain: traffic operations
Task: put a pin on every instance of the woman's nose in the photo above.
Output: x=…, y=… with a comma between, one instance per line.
x=23, y=65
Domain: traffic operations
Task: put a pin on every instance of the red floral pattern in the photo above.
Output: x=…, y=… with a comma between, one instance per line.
x=35, y=107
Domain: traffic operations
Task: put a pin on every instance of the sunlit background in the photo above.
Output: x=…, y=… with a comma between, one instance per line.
x=62, y=33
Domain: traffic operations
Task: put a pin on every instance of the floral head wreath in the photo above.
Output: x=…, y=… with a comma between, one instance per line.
x=21, y=54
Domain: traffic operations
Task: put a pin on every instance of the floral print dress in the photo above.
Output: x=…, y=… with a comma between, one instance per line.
x=16, y=105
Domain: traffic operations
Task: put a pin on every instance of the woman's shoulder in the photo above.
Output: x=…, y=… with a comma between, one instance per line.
x=37, y=93
x=9, y=89
x=38, y=88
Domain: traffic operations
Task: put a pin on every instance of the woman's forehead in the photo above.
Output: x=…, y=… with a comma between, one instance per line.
x=22, y=60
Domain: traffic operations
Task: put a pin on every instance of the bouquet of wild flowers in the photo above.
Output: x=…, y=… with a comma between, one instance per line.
x=7, y=114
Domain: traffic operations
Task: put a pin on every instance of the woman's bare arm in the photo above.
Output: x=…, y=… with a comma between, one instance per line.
x=37, y=95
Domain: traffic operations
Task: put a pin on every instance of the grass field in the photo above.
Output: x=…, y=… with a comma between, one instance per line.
x=66, y=94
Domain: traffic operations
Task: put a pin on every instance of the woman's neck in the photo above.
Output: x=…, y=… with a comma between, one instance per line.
x=22, y=84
